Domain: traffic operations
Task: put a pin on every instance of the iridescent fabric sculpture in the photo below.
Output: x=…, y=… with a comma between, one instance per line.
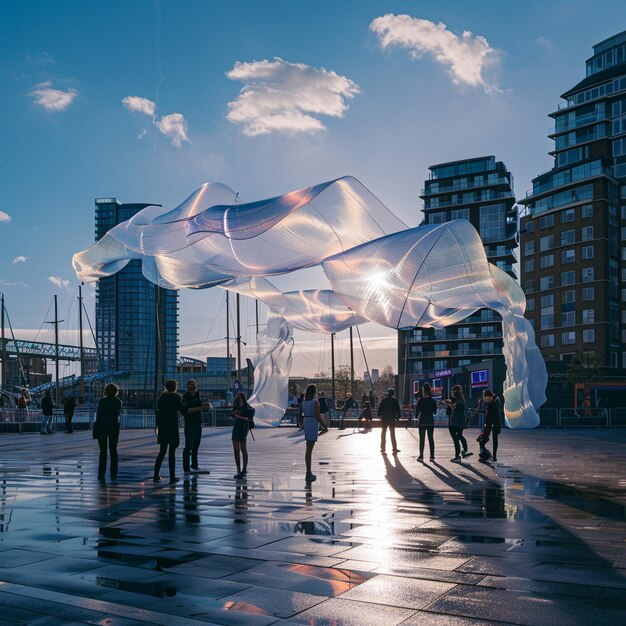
x=379, y=271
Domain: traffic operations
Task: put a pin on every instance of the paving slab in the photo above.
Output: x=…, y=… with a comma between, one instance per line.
x=377, y=539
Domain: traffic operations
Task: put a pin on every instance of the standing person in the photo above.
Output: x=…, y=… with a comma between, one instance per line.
x=47, y=414
x=425, y=410
x=348, y=405
x=242, y=414
x=168, y=406
x=311, y=422
x=372, y=400
x=366, y=415
x=388, y=411
x=493, y=426
x=107, y=429
x=324, y=412
x=192, y=413
x=22, y=405
x=68, y=410
x=456, y=422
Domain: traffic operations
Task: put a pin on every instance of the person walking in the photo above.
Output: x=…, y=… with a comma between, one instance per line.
x=348, y=405
x=388, y=411
x=106, y=429
x=242, y=414
x=68, y=410
x=456, y=423
x=311, y=421
x=192, y=413
x=425, y=410
x=492, y=427
x=22, y=405
x=47, y=414
x=168, y=407
x=324, y=412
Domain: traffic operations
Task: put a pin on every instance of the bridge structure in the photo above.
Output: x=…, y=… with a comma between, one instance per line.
x=23, y=347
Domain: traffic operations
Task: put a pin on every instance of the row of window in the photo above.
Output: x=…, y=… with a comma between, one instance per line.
x=567, y=278
x=566, y=238
x=568, y=318
x=567, y=256
x=568, y=338
x=564, y=177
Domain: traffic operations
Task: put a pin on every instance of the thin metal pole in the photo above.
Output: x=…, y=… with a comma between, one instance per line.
x=56, y=350
x=3, y=380
x=82, y=352
x=351, y=363
x=332, y=365
x=227, y=345
x=256, y=310
x=238, y=342
x=156, y=344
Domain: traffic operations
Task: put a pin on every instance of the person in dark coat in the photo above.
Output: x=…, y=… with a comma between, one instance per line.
x=349, y=405
x=389, y=410
x=425, y=410
x=68, y=410
x=47, y=413
x=492, y=427
x=168, y=407
x=107, y=429
x=242, y=414
x=456, y=423
x=193, y=406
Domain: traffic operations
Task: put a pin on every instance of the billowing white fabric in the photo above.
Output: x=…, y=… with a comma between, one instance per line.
x=379, y=270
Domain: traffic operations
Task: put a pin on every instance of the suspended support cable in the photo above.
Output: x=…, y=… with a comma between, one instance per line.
x=367, y=367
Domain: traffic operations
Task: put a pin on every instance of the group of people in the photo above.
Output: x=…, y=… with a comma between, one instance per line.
x=47, y=412
x=107, y=429
x=489, y=406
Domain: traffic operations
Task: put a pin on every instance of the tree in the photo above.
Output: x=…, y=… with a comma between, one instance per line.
x=342, y=383
x=386, y=380
x=583, y=368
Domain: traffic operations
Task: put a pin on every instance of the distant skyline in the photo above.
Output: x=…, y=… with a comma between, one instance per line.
x=145, y=101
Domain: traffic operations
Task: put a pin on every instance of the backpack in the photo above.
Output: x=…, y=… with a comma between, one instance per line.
x=251, y=418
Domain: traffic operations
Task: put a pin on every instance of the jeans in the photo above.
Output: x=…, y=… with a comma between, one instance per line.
x=46, y=423
x=108, y=441
x=458, y=439
x=429, y=430
x=193, y=435
x=392, y=433
x=161, y=456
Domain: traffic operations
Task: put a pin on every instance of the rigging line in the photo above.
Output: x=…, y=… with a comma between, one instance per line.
x=367, y=367
x=100, y=359
x=67, y=314
x=44, y=320
x=17, y=350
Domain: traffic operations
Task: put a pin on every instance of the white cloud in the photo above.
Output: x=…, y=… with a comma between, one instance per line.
x=284, y=97
x=6, y=283
x=174, y=126
x=465, y=56
x=52, y=99
x=59, y=282
x=136, y=104
x=4, y=217
x=143, y=133
x=19, y=259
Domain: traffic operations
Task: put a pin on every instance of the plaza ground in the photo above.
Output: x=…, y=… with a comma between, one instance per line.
x=537, y=539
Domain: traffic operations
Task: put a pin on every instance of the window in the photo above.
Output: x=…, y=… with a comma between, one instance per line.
x=586, y=211
x=547, y=322
x=529, y=226
x=589, y=316
x=529, y=266
x=568, y=338
x=569, y=215
x=547, y=341
x=461, y=214
x=529, y=286
x=586, y=233
x=568, y=278
x=567, y=297
x=489, y=347
x=547, y=261
x=547, y=221
x=587, y=252
x=547, y=282
x=587, y=274
x=589, y=335
x=568, y=256
x=492, y=222
x=589, y=294
x=547, y=300
x=530, y=305
x=529, y=247
x=568, y=237
x=568, y=318
x=437, y=218
x=545, y=243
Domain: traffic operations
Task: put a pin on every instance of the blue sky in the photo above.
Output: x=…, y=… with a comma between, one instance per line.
x=382, y=113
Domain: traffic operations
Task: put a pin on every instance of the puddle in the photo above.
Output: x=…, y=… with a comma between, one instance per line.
x=314, y=528
x=157, y=589
x=585, y=500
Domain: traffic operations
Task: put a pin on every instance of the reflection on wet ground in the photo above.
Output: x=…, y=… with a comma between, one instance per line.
x=375, y=540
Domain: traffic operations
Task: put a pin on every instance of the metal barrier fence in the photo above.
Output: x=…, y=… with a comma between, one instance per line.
x=18, y=420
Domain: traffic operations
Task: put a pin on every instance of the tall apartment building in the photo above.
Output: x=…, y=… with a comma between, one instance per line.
x=136, y=321
x=574, y=223
x=469, y=353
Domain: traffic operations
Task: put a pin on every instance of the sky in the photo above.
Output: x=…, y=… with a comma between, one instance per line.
x=147, y=100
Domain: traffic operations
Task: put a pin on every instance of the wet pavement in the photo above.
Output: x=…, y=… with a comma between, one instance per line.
x=540, y=538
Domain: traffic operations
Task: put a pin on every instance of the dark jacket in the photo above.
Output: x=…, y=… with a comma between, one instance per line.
x=425, y=410
x=69, y=407
x=107, y=416
x=169, y=405
x=389, y=409
x=493, y=419
x=457, y=415
x=192, y=402
x=46, y=405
